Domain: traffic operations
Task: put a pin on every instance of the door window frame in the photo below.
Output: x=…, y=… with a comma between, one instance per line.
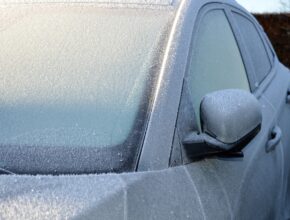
x=178, y=156
x=257, y=87
x=185, y=96
x=238, y=38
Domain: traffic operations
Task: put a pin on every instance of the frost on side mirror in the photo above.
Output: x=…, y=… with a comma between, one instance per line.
x=230, y=119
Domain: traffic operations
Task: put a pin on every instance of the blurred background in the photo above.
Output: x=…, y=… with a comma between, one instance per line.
x=274, y=16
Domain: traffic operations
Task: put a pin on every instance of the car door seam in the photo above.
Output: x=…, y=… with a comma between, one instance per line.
x=125, y=197
x=197, y=193
x=223, y=189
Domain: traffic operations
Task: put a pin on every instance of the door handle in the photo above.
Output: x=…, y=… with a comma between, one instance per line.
x=274, y=139
x=288, y=97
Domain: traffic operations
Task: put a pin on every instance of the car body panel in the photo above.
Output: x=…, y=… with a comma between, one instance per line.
x=142, y=195
x=167, y=94
x=277, y=96
x=252, y=187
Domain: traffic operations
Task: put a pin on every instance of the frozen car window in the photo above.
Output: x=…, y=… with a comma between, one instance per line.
x=216, y=61
x=76, y=75
x=73, y=75
x=255, y=46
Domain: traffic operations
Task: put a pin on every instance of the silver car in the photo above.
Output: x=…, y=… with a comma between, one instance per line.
x=141, y=109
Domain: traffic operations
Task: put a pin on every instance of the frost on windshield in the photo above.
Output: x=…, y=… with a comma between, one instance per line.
x=74, y=75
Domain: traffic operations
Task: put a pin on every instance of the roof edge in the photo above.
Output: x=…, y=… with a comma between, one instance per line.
x=136, y=2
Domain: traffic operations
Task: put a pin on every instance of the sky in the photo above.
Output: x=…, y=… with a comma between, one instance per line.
x=261, y=5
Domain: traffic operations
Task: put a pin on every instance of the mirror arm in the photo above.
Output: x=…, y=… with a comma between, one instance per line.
x=203, y=138
x=203, y=145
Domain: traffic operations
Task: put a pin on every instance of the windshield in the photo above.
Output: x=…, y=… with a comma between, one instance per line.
x=75, y=75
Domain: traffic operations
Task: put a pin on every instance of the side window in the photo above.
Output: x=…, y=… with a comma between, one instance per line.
x=255, y=46
x=216, y=62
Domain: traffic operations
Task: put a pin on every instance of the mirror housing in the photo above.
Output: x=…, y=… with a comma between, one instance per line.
x=230, y=119
x=229, y=115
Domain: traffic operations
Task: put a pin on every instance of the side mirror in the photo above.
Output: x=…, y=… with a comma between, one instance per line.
x=230, y=119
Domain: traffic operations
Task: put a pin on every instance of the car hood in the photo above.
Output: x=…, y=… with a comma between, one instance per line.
x=146, y=195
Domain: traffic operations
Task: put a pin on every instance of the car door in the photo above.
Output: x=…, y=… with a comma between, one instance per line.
x=273, y=79
x=219, y=60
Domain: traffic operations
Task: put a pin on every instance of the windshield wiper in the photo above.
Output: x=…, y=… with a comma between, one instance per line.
x=5, y=172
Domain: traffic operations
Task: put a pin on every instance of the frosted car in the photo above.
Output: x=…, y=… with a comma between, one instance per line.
x=166, y=109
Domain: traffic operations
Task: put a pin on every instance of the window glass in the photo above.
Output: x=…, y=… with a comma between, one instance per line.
x=77, y=74
x=76, y=81
x=255, y=46
x=216, y=62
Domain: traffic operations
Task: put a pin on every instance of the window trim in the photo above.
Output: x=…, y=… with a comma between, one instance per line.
x=252, y=78
x=255, y=83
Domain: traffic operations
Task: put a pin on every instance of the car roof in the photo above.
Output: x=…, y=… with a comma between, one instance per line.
x=138, y=2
